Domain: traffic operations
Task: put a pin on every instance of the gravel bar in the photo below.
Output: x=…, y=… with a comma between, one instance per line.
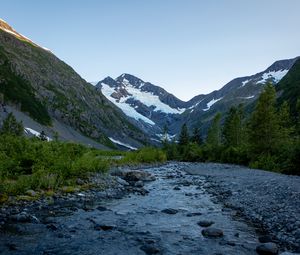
x=270, y=201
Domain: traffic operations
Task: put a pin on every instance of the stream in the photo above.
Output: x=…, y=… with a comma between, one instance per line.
x=164, y=221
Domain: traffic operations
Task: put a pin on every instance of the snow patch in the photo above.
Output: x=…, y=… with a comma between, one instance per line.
x=123, y=144
x=276, y=76
x=167, y=137
x=249, y=97
x=149, y=99
x=193, y=106
x=245, y=82
x=35, y=133
x=211, y=103
x=126, y=108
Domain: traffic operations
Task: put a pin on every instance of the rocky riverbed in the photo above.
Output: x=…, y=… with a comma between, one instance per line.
x=177, y=208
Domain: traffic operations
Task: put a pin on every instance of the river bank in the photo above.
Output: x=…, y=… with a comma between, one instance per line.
x=176, y=208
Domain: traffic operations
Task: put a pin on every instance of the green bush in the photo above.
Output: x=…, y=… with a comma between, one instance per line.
x=144, y=155
x=192, y=153
x=34, y=164
x=235, y=155
x=88, y=163
x=266, y=162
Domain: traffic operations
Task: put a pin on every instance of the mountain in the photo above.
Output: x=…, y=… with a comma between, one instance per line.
x=153, y=108
x=242, y=90
x=150, y=106
x=289, y=87
x=34, y=81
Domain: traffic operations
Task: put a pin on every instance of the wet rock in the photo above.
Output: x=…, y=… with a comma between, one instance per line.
x=205, y=223
x=212, y=232
x=139, y=184
x=267, y=249
x=134, y=176
x=52, y=227
x=150, y=249
x=265, y=239
x=104, y=227
x=169, y=211
x=121, y=181
x=177, y=188
x=101, y=208
x=193, y=214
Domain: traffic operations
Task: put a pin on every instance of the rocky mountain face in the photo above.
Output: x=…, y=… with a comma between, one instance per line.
x=242, y=90
x=33, y=80
x=153, y=108
x=150, y=106
x=125, y=111
x=289, y=88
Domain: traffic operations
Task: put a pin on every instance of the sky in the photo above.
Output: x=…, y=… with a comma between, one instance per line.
x=188, y=47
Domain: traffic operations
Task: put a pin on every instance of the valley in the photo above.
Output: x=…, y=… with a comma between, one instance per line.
x=122, y=166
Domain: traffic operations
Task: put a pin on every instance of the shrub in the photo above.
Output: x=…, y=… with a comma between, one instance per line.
x=235, y=155
x=267, y=162
x=192, y=152
x=145, y=155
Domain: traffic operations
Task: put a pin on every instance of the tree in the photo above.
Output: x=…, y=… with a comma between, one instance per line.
x=264, y=129
x=196, y=137
x=11, y=126
x=233, y=127
x=184, y=135
x=286, y=127
x=214, y=133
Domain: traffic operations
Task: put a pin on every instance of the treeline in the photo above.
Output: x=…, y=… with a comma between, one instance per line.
x=267, y=139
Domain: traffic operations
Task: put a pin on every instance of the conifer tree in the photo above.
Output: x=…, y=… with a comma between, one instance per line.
x=196, y=137
x=286, y=127
x=264, y=130
x=233, y=127
x=11, y=126
x=184, y=135
x=214, y=132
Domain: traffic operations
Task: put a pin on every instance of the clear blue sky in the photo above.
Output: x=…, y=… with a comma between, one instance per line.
x=186, y=46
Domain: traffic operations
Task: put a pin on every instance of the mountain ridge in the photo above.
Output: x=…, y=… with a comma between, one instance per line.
x=67, y=97
x=244, y=89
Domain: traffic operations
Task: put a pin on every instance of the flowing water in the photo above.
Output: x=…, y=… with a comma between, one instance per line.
x=135, y=224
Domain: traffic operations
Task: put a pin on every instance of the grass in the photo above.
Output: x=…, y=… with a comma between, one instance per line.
x=47, y=167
